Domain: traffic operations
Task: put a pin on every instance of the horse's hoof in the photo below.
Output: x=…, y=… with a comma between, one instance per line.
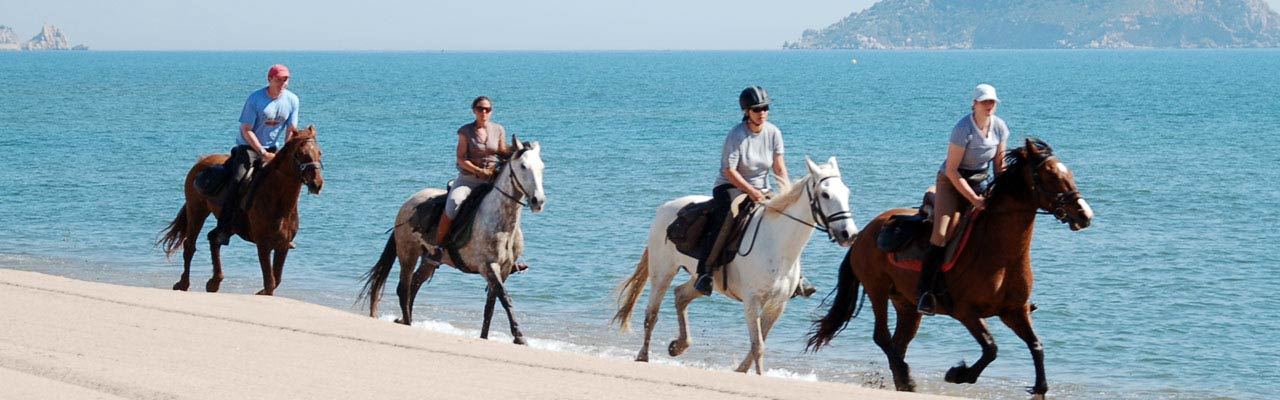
x=264, y=292
x=909, y=386
x=1037, y=396
x=644, y=358
x=520, y=341
x=182, y=285
x=676, y=348
x=212, y=286
x=521, y=267
x=959, y=374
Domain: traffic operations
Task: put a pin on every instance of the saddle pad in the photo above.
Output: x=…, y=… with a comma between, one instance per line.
x=687, y=230
x=426, y=217
x=912, y=255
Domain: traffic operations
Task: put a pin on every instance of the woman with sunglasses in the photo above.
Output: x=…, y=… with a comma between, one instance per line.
x=479, y=144
x=752, y=149
x=269, y=117
x=977, y=143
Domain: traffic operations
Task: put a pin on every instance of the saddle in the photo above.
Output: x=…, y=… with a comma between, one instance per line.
x=906, y=237
x=212, y=181
x=427, y=215
x=690, y=231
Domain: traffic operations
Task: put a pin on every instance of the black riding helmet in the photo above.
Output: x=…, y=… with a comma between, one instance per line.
x=753, y=96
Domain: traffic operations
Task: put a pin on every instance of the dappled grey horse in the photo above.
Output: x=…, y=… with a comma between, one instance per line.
x=494, y=245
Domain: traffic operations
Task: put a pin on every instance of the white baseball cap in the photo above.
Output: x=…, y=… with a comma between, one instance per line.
x=985, y=92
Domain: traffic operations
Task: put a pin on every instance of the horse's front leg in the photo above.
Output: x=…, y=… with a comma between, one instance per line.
x=1020, y=322
x=495, y=279
x=215, y=281
x=268, y=273
x=491, y=298
x=751, y=309
x=896, y=355
x=978, y=328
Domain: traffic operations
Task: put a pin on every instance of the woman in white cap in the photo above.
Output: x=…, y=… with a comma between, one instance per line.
x=977, y=142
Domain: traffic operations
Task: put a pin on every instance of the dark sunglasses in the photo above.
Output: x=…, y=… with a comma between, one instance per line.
x=760, y=109
x=282, y=78
x=483, y=109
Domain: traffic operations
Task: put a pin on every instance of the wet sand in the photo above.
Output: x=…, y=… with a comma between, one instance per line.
x=63, y=338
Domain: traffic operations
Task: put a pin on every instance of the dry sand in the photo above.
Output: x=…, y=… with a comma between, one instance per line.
x=68, y=339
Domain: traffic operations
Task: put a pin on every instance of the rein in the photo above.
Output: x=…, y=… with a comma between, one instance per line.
x=815, y=210
x=516, y=183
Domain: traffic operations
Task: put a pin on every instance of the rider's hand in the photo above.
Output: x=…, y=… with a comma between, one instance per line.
x=267, y=157
x=487, y=173
x=979, y=203
x=756, y=195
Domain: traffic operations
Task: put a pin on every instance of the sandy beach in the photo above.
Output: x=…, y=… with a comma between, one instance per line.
x=63, y=338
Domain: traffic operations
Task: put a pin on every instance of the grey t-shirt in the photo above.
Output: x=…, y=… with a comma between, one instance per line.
x=482, y=153
x=751, y=154
x=978, y=151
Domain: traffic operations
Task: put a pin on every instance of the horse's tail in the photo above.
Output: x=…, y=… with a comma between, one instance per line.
x=843, y=308
x=377, y=276
x=172, y=236
x=629, y=292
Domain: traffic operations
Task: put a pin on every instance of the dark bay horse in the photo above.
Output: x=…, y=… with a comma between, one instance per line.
x=270, y=222
x=992, y=275
x=495, y=243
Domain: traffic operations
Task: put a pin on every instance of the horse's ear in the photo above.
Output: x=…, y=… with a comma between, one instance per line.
x=813, y=168
x=1033, y=148
x=519, y=146
x=832, y=162
x=311, y=128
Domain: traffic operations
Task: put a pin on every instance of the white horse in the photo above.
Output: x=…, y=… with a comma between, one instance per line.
x=495, y=244
x=763, y=279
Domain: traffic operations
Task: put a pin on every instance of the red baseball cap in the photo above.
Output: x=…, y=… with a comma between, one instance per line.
x=278, y=70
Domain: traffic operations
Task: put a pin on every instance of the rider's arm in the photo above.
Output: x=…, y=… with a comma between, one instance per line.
x=741, y=183
x=955, y=153
x=246, y=132
x=780, y=168
x=462, y=160
x=999, y=160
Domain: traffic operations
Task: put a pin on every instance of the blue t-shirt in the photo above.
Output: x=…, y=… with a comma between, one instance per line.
x=270, y=118
x=978, y=151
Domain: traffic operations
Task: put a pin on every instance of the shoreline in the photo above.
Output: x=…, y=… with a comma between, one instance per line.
x=65, y=338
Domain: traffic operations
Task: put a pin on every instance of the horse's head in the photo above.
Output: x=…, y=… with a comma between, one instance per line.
x=305, y=152
x=526, y=171
x=829, y=201
x=1053, y=186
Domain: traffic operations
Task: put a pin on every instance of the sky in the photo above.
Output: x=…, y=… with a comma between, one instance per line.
x=429, y=24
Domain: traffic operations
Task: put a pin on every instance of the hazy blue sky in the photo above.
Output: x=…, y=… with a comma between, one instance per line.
x=429, y=24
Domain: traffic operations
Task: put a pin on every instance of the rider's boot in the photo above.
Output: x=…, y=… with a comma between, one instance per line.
x=442, y=234
x=705, y=269
x=221, y=233
x=928, y=303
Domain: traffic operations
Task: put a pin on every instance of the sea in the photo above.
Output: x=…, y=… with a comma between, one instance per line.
x=1171, y=294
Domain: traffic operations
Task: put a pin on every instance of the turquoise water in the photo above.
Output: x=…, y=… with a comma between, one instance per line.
x=1169, y=295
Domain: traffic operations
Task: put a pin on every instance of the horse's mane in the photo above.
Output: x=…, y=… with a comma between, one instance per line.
x=791, y=194
x=298, y=138
x=504, y=159
x=1011, y=182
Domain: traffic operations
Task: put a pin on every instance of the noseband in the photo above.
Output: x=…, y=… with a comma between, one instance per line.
x=303, y=167
x=1058, y=200
x=820, y=220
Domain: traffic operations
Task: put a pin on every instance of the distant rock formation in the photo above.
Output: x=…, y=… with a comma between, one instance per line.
x=8, y=41
x=965, y=24
x=49, y=38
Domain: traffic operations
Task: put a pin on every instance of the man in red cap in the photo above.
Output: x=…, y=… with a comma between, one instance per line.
x=269, y=118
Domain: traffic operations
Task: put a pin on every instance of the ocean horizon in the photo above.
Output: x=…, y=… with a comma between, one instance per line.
x=1163, y=297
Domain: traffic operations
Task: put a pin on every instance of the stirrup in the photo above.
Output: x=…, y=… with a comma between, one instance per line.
x=804, y=289
x=927, y=305
x=435, y=253
x=703, y=284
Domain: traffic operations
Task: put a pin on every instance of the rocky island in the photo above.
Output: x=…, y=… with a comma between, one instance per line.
x=1050, y=24
x=49, y=38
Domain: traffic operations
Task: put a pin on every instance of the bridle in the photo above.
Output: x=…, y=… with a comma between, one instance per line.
x=303, y=167
x=1058, y=200
x=515, y=182
x=821, y=220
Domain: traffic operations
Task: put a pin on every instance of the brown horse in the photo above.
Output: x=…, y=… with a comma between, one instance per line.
x=992, y=274
x=272, y=217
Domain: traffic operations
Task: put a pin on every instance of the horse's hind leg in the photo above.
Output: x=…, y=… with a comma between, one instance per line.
x=407, y=260
x=215, y=280
x=425, y=271
x=277, y=263
x=897, y=360
x=969, y=374
x=685, y=294
x=1020, y=322
x=505, y=299
x=659, y=280
x=195, y=221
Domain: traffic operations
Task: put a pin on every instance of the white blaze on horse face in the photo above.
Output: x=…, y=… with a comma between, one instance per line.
x=833, y=195
x=530, y=173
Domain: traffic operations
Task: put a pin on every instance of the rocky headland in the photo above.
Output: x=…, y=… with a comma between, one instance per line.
x=49, y=38
x=1050, y=24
